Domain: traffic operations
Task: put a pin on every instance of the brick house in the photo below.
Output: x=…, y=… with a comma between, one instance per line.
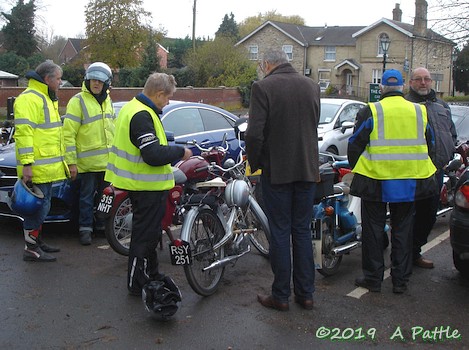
x=74, y=47
x=71, y=50
x=351, y=58
x=8, y=79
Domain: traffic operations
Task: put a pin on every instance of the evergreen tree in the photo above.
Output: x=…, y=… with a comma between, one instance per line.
x=228, y=28
x=19, y=31
x=461, y=71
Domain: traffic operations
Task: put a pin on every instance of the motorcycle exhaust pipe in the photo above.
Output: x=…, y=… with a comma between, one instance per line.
x=222, y=262
x=443, y=211
x=343, y=249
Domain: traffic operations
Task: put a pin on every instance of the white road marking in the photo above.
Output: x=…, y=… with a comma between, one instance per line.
x=359, y=291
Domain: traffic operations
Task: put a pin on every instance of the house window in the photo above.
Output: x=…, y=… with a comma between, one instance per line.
x=324, y=75
x=382, y=37
x=288, y=49
x=253, y=52
x=437, y=80
x=329, y=53
x=376, y=76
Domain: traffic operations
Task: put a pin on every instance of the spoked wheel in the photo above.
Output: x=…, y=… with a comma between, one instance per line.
x=256, y=219
x=119, y=227
x=330, y=263
x=205, y=230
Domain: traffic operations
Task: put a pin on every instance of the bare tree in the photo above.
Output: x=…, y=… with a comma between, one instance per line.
x=450, y=18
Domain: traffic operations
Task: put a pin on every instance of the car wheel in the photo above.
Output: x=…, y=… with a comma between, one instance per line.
x=461, y=265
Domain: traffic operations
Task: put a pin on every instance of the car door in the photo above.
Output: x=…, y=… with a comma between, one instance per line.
x=186, y=124
x=348, y=113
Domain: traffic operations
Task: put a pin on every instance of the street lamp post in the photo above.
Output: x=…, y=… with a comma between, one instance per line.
x=385, y=42
x=454, y=57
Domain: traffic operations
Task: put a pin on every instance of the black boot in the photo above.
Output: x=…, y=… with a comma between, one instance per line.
x=32, y=252
x=46, y=247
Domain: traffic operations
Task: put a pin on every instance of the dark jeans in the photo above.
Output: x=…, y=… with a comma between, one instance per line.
x=425, y=218
x=373, y=223
x=289, y=209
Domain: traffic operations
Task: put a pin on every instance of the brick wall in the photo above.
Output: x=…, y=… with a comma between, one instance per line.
x=224, y=97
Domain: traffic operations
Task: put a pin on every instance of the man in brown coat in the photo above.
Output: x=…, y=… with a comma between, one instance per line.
x=282, y=140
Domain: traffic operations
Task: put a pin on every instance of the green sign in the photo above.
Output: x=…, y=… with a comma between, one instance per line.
x=375, y=94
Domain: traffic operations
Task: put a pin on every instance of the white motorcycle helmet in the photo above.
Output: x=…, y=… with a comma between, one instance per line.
x=99, y=71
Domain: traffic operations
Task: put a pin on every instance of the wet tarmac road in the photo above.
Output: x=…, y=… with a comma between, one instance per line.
x=81, y=302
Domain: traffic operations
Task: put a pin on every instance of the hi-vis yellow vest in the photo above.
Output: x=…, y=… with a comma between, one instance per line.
x=88, y=132
x=397, y=147
x=39, y=138
x=126, y=168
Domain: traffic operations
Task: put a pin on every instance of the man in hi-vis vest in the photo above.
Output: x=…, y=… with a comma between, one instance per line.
x=88, y=132
x=140, y=162
x=388, y=152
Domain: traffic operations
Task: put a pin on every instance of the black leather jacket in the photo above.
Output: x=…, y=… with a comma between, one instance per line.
x=439, y=117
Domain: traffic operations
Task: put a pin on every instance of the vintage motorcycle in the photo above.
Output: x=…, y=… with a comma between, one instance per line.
x=335, y=229
x=219, y=224
x=115, y=206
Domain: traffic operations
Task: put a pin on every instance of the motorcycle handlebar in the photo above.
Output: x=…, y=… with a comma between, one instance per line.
x=203, y=149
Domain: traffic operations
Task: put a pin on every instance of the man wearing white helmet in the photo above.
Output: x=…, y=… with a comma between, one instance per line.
x=89, y=131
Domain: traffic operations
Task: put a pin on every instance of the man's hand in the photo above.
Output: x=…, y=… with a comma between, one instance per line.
x=73, y=171
x=187, y=153
x=27, y=173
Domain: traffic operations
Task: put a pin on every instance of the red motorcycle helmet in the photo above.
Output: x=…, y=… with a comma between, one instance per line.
x=190, y=167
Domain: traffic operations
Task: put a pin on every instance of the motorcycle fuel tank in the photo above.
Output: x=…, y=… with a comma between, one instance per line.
x=191, y=167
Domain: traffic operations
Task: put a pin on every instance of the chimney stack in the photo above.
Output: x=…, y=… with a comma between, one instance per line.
x=397, y=13
x=420, y=21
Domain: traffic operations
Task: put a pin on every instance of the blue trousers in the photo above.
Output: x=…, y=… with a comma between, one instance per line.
x=90, y=183
x=289, y=209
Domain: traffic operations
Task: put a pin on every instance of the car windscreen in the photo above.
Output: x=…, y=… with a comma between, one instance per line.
x=328, y=112
x=460, y=115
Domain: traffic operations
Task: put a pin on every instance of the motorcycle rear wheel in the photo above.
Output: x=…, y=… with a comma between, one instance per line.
x=330, y=263
x=118, y=229
x=205, y=231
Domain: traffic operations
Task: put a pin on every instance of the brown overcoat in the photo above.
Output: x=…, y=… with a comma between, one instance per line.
x=282, y=137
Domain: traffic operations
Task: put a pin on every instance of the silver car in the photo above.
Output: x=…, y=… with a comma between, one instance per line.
x=336, y=124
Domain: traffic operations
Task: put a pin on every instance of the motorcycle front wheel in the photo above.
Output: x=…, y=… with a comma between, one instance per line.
x=255, y=218
x=119, y=227
x=330, y=262
x=205, y=231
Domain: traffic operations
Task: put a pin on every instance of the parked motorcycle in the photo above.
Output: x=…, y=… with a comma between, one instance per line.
x=115, y=206
x=220, y=223
x=7, y=132
x=335, y=229
x=453, y=172
x=459, y=225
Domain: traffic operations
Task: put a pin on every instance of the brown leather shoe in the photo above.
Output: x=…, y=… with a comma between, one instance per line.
x=270, y=302
x=424, y=263
x=307, y=304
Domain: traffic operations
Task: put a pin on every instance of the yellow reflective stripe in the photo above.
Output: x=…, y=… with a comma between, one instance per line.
x=45, y=161
x=85, y=154
x=395, y=156
x=44, y=104
x=25, y=150
x=140, y=177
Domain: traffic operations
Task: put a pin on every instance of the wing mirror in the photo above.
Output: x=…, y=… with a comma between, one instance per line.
x=347, y=125
x=240, y=127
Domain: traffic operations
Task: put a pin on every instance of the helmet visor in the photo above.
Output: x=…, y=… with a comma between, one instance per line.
x=97, y=75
